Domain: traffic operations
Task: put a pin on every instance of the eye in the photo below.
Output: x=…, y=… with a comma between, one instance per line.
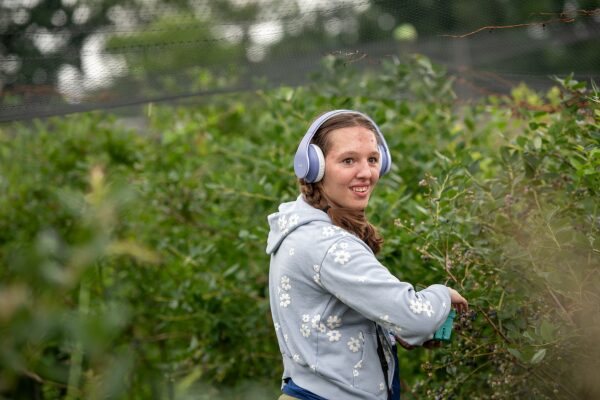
x=348, y=161
x=373, y=160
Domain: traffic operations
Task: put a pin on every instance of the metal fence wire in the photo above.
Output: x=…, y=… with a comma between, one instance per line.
x=70, y=56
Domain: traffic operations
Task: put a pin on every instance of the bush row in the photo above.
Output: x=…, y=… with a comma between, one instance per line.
x=133, y=264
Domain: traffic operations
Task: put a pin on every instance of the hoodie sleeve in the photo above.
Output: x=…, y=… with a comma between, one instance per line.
x=351, y=272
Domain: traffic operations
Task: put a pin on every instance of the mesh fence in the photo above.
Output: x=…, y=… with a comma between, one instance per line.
x=60, y=57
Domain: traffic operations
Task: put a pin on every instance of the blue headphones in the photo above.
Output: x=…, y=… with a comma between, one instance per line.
x=309, y=161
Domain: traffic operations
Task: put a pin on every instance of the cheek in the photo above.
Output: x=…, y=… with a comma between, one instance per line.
x=375, y=174
x=335, y=178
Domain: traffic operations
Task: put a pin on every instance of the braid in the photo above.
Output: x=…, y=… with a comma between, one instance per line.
x=353, y=221
x=313, y=195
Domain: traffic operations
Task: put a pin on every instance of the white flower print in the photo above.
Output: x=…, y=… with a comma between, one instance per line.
x=296, y=358
x=282, y=222
x=359, y=365
x=293, y=221
x=354, y=345
x=285, y=283
x=385, y=318
x=322, y=328
x=327, y=231
x=382, y=386
x=305, y=318
x=317, y=267
x=418, y=307
x=360, y=279
x=292, y=251
x=428, y=309
x=305, y=330
x=313, y=367
x=342, y=257
x=285, y=300
x=334, y=335
x=333, y=321
x=285, y=337
x=343, y=246
x=355, y=372
x=277, y=326
x=333, y=248
x=315, y=321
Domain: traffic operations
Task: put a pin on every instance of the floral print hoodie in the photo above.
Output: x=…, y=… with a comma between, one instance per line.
x=330, y=298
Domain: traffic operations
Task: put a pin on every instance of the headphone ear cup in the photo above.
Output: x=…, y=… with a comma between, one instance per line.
x=316, y=164
x=384, y=160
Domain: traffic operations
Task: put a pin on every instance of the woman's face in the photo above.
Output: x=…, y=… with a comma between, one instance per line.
x=351, y=167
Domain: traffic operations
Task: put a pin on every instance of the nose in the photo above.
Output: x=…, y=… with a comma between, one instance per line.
x=364, y=170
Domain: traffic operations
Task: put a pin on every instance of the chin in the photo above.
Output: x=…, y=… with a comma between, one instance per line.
x=358, y=205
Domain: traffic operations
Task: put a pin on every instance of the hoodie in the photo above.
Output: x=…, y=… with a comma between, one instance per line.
x=331, y=298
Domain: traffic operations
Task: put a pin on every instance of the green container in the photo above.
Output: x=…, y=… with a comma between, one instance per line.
x=445, y=330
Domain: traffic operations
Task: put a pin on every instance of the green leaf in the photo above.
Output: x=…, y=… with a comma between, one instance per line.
x=547, y=331
x=538, y=356
x=516, y=353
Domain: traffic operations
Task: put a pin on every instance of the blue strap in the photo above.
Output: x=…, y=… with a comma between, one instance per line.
x=291, y=389
x=396, y=379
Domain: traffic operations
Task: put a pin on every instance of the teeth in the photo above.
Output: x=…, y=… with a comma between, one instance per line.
x=360, y=189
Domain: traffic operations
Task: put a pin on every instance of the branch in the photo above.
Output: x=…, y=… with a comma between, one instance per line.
x=492, y=27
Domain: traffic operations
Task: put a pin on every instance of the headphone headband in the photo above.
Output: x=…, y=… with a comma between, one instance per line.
x=304, y=162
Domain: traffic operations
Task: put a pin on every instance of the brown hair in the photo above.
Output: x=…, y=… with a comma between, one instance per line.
x=353, y=221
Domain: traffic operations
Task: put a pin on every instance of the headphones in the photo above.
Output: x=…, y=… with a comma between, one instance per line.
x=309, y=161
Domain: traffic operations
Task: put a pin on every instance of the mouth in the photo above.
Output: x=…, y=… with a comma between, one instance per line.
x=360, y=190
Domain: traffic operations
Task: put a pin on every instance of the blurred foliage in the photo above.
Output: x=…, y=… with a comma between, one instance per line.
x=132, y=264
x=39, y=38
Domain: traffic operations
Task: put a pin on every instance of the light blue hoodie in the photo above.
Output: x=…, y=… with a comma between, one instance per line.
x=329, y=299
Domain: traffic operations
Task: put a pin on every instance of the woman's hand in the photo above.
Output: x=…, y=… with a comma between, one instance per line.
x=430, y=344
x=404, y=344
x=460, y=303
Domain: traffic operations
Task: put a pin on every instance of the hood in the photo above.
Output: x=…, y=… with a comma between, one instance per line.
x=289, y=217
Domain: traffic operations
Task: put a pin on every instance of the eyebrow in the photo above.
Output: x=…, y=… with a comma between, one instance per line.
x=355, y=153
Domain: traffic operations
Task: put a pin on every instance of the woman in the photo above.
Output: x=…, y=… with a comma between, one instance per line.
x=335, y=308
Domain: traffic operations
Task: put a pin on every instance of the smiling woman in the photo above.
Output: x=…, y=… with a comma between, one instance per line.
x=354, y=154
x=337, y=311
x=352, y=165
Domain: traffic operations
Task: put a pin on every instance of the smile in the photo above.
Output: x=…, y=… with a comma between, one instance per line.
x=360, y=189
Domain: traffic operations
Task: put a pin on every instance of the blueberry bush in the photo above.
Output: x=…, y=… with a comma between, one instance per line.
x=132, y=263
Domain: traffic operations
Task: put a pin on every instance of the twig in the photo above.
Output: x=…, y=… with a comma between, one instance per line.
x=537, y=202
x=33, y=376
x=560, y=304
x=492, y=27
x=507, y=340
x=475, y=370
x=553, y=380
